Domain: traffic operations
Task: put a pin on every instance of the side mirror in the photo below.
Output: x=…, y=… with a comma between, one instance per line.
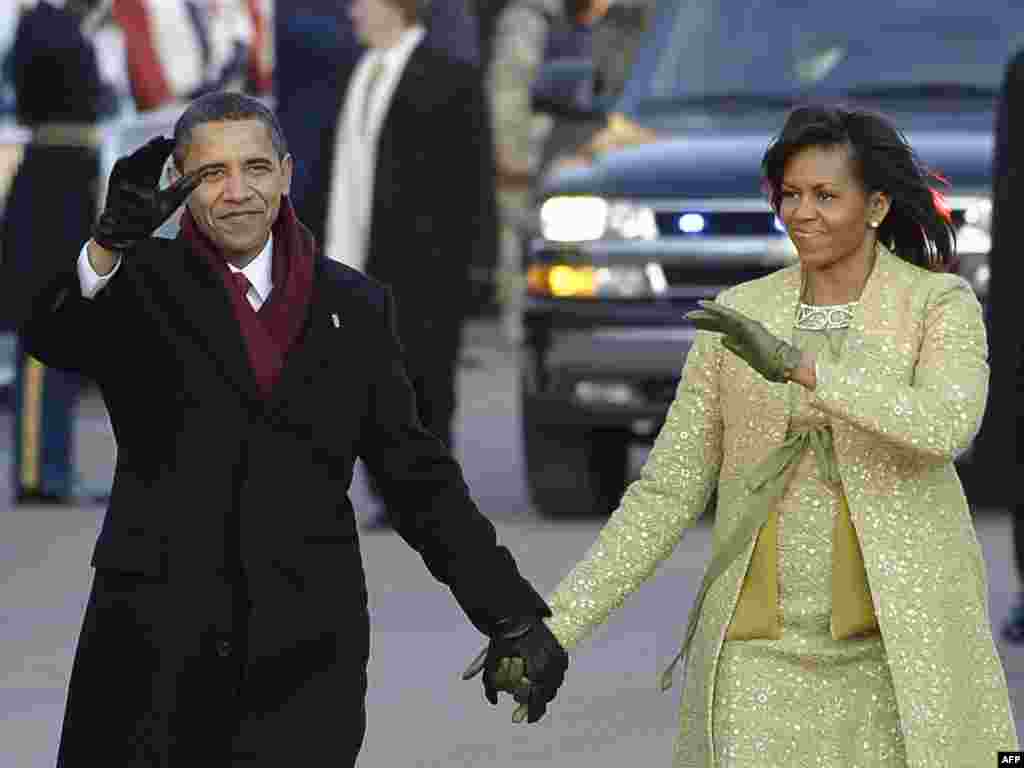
x=567, y=88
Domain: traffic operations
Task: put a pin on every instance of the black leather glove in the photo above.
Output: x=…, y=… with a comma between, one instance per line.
x=135, y=205
x=526, y=661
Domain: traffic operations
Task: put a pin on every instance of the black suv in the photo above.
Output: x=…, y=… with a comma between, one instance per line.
x=631, y=240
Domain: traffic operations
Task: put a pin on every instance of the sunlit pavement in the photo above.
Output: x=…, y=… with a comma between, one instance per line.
x=609, y=712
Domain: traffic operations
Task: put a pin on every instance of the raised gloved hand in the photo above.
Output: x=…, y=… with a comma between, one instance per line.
x=526, y=661
x=766, y=353
x=135, y=205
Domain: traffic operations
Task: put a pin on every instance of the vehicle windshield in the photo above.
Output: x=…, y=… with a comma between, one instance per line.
x=723, y=51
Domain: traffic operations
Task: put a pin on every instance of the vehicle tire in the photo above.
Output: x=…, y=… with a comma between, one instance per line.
x=575, y=471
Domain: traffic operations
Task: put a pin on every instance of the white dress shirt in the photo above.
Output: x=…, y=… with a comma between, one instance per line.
x=258, y=271
x=355, y=149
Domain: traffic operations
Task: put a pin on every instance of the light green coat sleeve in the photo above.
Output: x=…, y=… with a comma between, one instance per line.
x=673, y=490
x=939, y=412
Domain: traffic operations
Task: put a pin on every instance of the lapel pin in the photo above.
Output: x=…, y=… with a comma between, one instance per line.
x=335, y=320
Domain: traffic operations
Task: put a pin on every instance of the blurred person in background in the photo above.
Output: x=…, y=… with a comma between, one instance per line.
x=411, y=191
x=314, y=42
x=843, y=617
x=61, y=96
x=10, y=12
x=179, y=49
x=487, y=13
x=452, y=27
x=317, y=50
x=239, y=364
x=997, y=448
x=526, y=34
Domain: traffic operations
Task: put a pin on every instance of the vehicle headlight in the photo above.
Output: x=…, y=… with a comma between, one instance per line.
x=973, y=243
x=979, y=214
x=573, y=219
x=975, y=236
x=571, y=281
x=632, y=222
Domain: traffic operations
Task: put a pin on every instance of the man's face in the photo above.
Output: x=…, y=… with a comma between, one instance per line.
x=243, y=179
x=376, y=22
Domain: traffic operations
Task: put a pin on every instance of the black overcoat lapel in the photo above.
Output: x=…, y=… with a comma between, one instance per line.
x=395, y=147
x=306, y=356
x=198, y=305
x=413, y=82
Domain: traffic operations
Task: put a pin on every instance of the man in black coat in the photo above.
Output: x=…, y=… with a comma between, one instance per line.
x=997, y=451
x=421, y=209
x=244, y=373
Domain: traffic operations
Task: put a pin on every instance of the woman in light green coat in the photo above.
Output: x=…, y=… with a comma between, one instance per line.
x=843, y=619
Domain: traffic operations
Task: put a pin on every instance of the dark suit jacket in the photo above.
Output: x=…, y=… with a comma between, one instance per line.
x=996, y=447
x=210, y=476
x=434, y=212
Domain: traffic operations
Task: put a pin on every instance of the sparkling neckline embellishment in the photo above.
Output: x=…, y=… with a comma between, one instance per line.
x=810, y=317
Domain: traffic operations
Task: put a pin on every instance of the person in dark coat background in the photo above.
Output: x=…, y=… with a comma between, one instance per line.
x=61, y=97
x=996, y=448
x=316, y=43
x=228, y=619
x=409, y=192
x=313, y=42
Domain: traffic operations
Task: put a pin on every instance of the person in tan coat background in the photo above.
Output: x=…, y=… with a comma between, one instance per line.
x=522, y=33
x=843, y=619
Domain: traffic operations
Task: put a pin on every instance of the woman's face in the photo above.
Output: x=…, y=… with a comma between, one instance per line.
x=825, y=208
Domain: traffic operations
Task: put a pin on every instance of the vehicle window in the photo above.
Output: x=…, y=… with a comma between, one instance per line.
x=785, y=48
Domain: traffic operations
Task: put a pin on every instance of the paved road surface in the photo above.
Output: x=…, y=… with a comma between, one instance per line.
x=609, y=714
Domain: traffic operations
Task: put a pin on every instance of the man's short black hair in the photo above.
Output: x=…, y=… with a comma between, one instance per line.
x=220, y=106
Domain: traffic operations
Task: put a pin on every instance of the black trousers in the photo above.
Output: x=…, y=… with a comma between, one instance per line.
x=44, y=420
x=1017, y=513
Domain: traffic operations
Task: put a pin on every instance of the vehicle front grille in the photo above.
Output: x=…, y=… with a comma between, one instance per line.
x=660, y=391
x=712, y=274
x=734, y=223
x=728, y=223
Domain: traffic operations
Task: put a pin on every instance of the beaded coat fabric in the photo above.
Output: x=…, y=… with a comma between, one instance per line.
x=762, y=712
x=906, y=396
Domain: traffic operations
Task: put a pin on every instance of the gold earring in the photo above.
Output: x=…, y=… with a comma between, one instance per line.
x=873, y=224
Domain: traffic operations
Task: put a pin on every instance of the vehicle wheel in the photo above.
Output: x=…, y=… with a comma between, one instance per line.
x=575, y=471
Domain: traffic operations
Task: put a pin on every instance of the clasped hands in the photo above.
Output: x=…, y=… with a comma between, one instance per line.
x=525, y=660
x=775, y=359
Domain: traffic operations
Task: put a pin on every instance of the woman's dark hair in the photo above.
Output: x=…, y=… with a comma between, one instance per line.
x=918, y=226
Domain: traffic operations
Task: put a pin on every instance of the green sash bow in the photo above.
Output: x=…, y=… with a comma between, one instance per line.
x=766, y=482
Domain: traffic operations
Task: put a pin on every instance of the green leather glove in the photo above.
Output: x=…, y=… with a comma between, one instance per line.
x=748, y=339
x=509, y=677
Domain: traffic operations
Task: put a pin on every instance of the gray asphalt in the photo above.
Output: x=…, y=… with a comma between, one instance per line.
x=609, y=712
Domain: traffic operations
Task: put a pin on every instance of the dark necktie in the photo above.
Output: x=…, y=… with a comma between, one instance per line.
x=243, y=284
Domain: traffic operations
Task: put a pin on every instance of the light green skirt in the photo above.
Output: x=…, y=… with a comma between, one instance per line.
x=793, y=708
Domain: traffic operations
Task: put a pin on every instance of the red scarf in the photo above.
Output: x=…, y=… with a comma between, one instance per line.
x=270, y=333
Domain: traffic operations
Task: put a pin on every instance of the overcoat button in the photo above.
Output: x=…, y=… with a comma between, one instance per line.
x=224, y=648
